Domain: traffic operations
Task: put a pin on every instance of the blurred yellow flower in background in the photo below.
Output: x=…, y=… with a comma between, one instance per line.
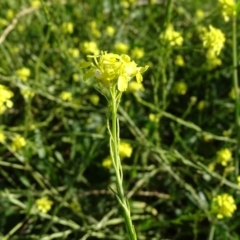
x=228, y=8
x=107, y=162
x=44, y=204
x=67, y=27
x=23, y=73
x=27, y=93
x=5, y=96
x=137, y=53
x=125, y=149
x=224, y=156
x=73, y=52
x=181, y=88
x=171, y=36
x=213, y=40
x=179, y=61
x=94, y=99
x=110, y=31
x=90, y=47
x=223, y=205
x=2, y=137
x=66, y=96
x=18, y=142
x=121, y=47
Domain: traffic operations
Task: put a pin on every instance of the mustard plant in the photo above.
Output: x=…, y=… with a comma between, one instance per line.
x=113, y=73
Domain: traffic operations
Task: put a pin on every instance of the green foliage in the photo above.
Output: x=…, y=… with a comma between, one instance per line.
x=54, y=139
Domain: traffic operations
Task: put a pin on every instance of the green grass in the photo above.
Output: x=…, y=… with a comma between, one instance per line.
x=167, y=179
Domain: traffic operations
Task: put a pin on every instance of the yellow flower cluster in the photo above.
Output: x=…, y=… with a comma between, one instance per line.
x=137, y=53
x=18, y=142
x=66, y=96
x=90, y=47
x=110, y=31
x=107, y=162
x=23, y=73
x=112, y=69
x=27, y=93
x=172, y=37
x=94, y=29
x=121, y=47
x=179, y=61
x=5, y=96
x=228, y=8
x=213, y=41
x=223, y=205
x=224, y=156
x=181, y=88
x=44, y=204
x=125, y=150
x=67, y=27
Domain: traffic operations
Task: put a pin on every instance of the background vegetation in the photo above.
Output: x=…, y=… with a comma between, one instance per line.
x=180, y=124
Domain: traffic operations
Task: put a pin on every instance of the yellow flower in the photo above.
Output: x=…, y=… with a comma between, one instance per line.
x=201, y=105
x=18, y=142
x=179, y=61
x=228, y=8
x=75, y=77
x=35, y=3
x=75, y=206
x=66, y=96
x=121, y=47
x=153, y=117
x=27, y=93
x=74, y=52
x=107, y=162
x=90, y=47
x=3, y=22
x=137, y=53
x=224, y=156
x=112, y=69
x=223, y=205
x=171, y=36
x=211, y=166
x=44, y=204
x=67, y=27
x=127, y=3
x=213, y=61
x=2, y=137
x=213, y=41
x=23, y=73
x=94, y=99
x=110, y=31
x=5, y=96
x=200, y=14
x=94, y=30
x=232, y=93
x=10, y=14
x=181, y=88
x=135, y=87
x=125, y=150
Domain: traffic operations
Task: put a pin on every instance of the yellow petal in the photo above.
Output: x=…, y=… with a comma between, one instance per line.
x=139, y=77
x=122, y=83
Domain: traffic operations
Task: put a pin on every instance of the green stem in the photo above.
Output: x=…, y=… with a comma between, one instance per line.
x=235, y=82
x=212, y=230
x=118, y=168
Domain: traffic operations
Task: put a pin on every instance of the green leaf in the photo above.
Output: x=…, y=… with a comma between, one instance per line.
x=88, y=74
x=85, y=64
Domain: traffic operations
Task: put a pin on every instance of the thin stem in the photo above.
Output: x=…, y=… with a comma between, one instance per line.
x=236, y=88
x=118, y=168
x=212, y=231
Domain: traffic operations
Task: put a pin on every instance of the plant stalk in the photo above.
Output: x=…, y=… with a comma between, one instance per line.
x=114, y=145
